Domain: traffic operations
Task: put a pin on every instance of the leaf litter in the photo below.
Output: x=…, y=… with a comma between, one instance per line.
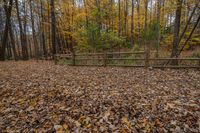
x=43, y=97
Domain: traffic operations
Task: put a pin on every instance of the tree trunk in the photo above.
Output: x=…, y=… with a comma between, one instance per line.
x=98, y=17
x=53, y=27
x=198, y=20
x=188, y=22
x=8, y=11
x=138, y=19
x=158, y=25
x=176, y=31
x=125, y=17
x=147, y=45
x=163, y=23
x=35, y=42
x=119, y=17
x=132, y=23
x=86, y=12
x=13, y=42
x=24, y=32
x=146, y=14
x=42, y=30
x=22, y=36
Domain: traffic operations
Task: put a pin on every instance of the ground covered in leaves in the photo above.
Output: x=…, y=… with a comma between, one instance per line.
x=43, y=97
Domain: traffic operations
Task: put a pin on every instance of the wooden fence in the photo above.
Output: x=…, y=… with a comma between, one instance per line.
x=124, y=59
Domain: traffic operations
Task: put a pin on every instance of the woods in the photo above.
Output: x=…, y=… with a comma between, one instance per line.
x=100, y=66
x=41, y=29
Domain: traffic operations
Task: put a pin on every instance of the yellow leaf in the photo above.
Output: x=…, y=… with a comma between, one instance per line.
x=65, y=126
x=125, y=120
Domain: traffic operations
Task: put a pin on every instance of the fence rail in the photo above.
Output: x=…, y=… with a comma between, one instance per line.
x=124, y=59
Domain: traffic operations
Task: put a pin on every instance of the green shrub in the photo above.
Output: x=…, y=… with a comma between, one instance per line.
x=197, y=55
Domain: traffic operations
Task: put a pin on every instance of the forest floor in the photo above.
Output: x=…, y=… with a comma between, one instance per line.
x=43, y=97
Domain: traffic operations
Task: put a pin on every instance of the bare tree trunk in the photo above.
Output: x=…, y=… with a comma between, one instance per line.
x=147, y=45
x=98, y=19
x=146, y=14
x=33, y=31
x=9, y=51
x=53, y=27
x=49, y=28
x=24, y=33
x=163, y=23
x=13, y=42
x=5, y=35
x=42, y=30
x=198, y=20
x=138, y=14
x=112, y=19
x=176, y=31
x=150, y=14
x=188, y=22
x=17, y=43
x=125, y=17
x=22, y=36
x=158, y=25
x=119, y=17
x=86, y=12
x=132, y=23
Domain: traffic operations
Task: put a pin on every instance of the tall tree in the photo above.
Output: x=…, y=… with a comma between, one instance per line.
x=147, y=45
x=119, y=17
x=42, y=29
x=22, y=34
x=158, y=29
x=86, y=12
x=12, y=40
x=191, y=33
x=53, y=26
x=176, y=30
x=125, y=17
x=98, y=16
x=132, y=22
x=145, y=14
x=35, y=42
x=8, y=10
x=138, y=19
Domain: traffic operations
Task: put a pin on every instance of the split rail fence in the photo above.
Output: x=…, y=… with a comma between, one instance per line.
x=124, y=59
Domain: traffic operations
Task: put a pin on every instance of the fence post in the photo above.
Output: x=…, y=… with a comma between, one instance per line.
x=55, y=59
x=73, y=59
x=105, y=59
x=199, y=62
x=147, y=54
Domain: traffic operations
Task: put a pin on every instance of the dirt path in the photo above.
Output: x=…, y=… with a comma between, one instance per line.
x=39, y=96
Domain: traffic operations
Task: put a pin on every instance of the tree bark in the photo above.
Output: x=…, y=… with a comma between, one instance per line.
x=36, y=50
x=125, y=17
x=146, y=14
x=8, y=11
x=158, y=25
x=119, y=17
x=132, y=23
x=13, y=42
x=42, y=30
x=22, y=34
x=147, y=45
x=188, y=22
x=176, y=31
x=138, y=19
x=198, y=20
x=86, y=12
x=53, y=27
